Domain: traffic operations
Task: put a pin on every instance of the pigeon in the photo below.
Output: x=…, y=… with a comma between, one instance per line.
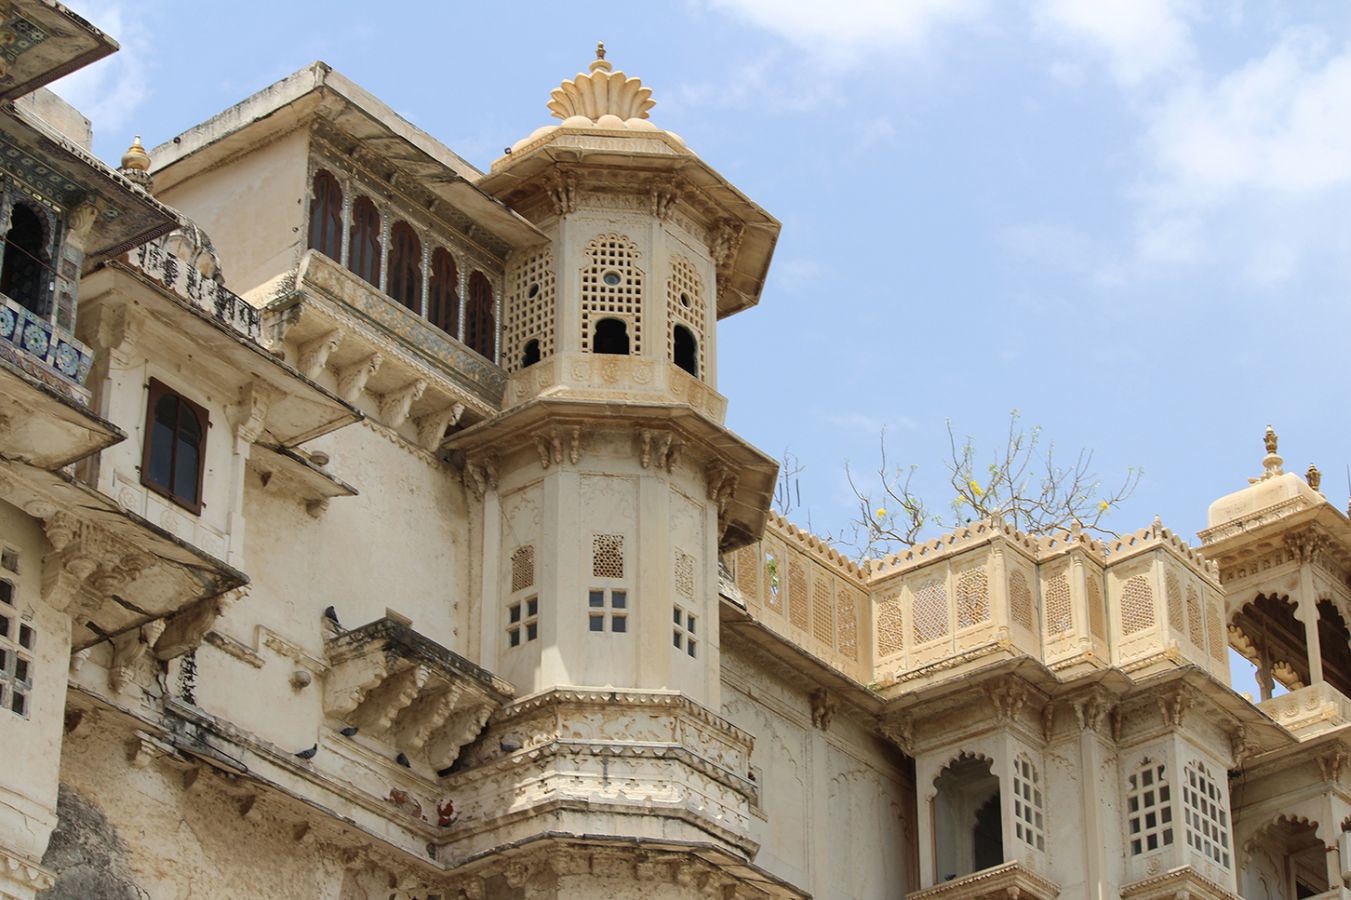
x=402, y=759
x=308, y=754
x=349, y=731
x=509, y=745
x=331, y=614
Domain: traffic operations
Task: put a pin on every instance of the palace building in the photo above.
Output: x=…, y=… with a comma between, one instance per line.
x=370, y=529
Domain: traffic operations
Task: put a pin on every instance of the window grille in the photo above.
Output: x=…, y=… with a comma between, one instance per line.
x=1206, y=814
x=823, y=624
x=1020, y=600
x=685, y=305
x=1149, y=809
x=930, y=612
x=522, y=621
x=973, y=598
x=798, y=604
x=1137, y=605
x=17, y=641
x=608, y=607
x=684, y=636
x=530, y=310
x=607, y=556
x=684, y=574
x=522, y=567
x=612, y=287
x=1059, y=613
x=1028, y=817
x=890, y=630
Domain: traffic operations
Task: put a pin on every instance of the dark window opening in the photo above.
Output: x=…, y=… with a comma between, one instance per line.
x=611, y=336
x=363, y=252
x=23, y=271
x=685, y=349
x=443, y=293
x=174, y=455
x=968, y=832
x=480, y=326
x=326, y=216
x=405, y=266
x=530, y=355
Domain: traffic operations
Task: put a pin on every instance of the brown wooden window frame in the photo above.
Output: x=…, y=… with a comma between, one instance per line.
x=443, y=292
x=404, y=282
x=325, y=225
x=157, y=391
x=365, y=241
x=480, y=320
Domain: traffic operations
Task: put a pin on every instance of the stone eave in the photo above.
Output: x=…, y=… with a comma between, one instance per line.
x=44, y=427
x=1181, y=882
x=127, y=215
x=800, y=664
x=1281, y=759
x=1261, y=732
x=298, y=409
x=396, y=639
x=1008, y=880
x=748, y=510
x=318, y=92
x=617, y=154
x=298, y=475
x=71, y=43
x=1221, y=541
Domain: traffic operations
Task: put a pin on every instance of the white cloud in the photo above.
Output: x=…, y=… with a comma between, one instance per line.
x=111, y=91
x=1141, y=38
x=839, y=30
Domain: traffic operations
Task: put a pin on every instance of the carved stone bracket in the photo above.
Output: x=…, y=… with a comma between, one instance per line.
x=563, y=193
x=1007, y=698
x=663, y=196
x=314, y=353
x=250, y=413
x=1092, y=709
x=480, y=474
x=823, y=708
x=725, y=243
x=900, y=729
x=352, y=378
x=1174, y=704
x=1332, y=763
x=659, y=447
x=394, y=405
x=1048, y=720
x=431, y=428
x=185, y=631
x=129, y=648
x=550, y=445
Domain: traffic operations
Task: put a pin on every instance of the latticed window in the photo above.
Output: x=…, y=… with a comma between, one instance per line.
x=1219, y=639
x=405, y=266
x=1020, y=600
x=1149, y=809
x=1059, y=612
x=1173, y=594
x=443, y=292
x=684, y=574
x=1097, y=614
x=798, y=602
x=607, y=556
x=1137, y=605
x=685, y=634
x=17, y=640
x=823, y=624
x=522, y=568
x=480, y=323
x=529, y=315
x=890, y=630
x=930, y=612
x=973, y=598
x=687, y=311
x=326, y=215
x=846, y=623
x=173, y=458
x=363, y=247
x=612, y=288
x=1206, y=814
x=1196, y=626
x=773, y=587
x=522, y=621
x=1028, y=816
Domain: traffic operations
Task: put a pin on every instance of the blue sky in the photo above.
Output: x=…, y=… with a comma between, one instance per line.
x=1127, y=219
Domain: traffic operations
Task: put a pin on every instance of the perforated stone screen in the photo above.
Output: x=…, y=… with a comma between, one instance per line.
x=1173, y=595
x=846, y=623
x=1137, y=605
x=823, y=625
x=798, y=606
x=1196, y=628
x=684, y=573
x=890, y=627
x=612, y=287
x=1020, y=600
x=1097, y=612
x=1218, y=635
x=1059, y=613
x=522, y=567
x=607, y=556
x=930, y=612
x=685, y=305
x=973, y=598
x=530, y=309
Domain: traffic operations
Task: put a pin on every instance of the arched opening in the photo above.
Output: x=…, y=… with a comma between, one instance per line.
x=1334, y=646
x=326, y=215
x=363, y=251
x=1274, y=641
x=480, y=325
x=1286, y=860
x=443, y=293
x=611, y=336
x=23, y=271
x=968, y=828
x=685, y=350
x=530, y=355
x=405, y=266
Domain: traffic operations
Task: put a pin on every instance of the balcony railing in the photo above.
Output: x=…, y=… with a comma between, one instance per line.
x=205, y=293
x=43, y=350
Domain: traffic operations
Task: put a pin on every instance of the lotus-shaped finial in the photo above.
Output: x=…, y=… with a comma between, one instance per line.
x=601, y=92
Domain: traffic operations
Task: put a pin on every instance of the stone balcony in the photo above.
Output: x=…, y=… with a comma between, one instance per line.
x=1009, y=880
x=1309, y=711
x=589, y=376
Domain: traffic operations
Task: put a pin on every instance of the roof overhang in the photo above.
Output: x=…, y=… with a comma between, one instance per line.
x=48, y=41
x=620, y=155
x=319, y=94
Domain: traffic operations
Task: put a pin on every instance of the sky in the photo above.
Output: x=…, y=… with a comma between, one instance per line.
x=1126, y=219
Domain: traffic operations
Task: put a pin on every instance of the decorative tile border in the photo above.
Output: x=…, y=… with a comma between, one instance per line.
x=38, y=340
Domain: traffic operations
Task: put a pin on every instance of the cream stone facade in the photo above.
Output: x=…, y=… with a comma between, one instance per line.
x=370, y=528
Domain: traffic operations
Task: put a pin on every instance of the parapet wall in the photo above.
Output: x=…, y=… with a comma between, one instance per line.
x=1141, y=602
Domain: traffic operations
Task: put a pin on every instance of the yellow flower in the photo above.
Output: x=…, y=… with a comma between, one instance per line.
x=1103, y=506
x=975, y=488
x=881, y=512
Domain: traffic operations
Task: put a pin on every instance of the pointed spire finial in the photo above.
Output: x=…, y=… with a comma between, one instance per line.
x=601, y=62
x=1313, y=476
x=136, y=164
x=600, y=49
x=1270, y=439
x=1271, y=463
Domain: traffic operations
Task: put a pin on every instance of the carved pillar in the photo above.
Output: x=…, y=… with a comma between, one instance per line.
x=462, y=273
x=1308, y=614
x=346, y=220
x=385, y=225
x=426, y=274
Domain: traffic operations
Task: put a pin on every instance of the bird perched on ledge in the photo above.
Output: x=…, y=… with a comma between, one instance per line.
x=308, y=754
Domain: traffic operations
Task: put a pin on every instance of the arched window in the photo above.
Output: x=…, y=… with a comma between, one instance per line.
x=480, y=327
x=685, y=350
x=443, y=293
x=530, y=355
x=174, y=455
x=326, y=215
x=23, y=271
x=363, y=253
x=405, y=266
x=968, y=834
x=611, y=336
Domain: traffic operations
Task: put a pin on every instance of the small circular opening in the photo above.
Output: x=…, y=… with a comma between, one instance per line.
x=611, y=278
x=684, y=299
x=533, y=292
